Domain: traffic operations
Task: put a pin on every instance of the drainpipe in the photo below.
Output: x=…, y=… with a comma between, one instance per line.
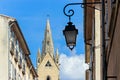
x=103, y=42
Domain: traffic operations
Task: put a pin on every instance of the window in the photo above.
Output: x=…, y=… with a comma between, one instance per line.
x=19, y=78
x=17, y=45
x=16, y=53
x=48, y=77
x=9, y=32
x=10, y=69
x=113, y=1
x=15, y=75
x=12, y=34
x=20, y=62
x=12, y=45
x=16, y=56
x=48, y=64
x=23, y=68
x=38, y=60
x=48, y=42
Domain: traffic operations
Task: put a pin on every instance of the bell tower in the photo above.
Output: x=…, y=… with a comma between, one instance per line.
x=47, y=62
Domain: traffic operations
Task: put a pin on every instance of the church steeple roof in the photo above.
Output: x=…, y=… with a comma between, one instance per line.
x=38, y=52
x=48, y=42
x=48, y=61
x=57, y=57
x=38, y=58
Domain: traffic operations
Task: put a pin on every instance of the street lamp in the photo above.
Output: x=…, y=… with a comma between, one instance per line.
x=70, y=34
x=70, y=31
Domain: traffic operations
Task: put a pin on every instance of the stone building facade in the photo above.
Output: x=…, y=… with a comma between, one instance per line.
x=92, y=35
x=93, y=40
x=15, y=63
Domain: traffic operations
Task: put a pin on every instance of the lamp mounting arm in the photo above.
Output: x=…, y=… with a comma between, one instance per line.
x=71, y=11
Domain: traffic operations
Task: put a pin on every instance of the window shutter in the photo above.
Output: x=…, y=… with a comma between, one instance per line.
x=113, y=1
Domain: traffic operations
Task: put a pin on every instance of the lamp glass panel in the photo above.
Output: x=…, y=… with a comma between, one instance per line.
x=70, y=37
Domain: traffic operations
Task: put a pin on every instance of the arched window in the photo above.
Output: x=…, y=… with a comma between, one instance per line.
x=38, y=60
x=48, y=77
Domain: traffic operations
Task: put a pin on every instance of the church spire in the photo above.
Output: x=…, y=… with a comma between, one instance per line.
x=47, y=42
x=49, y=62
x=38, y=58
x=57, y=57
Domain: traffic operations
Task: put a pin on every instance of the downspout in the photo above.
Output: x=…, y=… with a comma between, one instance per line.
x=103, y=42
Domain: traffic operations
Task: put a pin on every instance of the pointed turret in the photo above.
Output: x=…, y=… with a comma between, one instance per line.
x=48, y=42
x=38, y=58
x=57, y=57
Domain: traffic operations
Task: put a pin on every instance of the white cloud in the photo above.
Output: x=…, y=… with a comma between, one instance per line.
x=72, y=67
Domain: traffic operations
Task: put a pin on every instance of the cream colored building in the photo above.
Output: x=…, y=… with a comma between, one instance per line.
x=15, y=63
x=47, y=62
x=93, y=45
x=103, y=66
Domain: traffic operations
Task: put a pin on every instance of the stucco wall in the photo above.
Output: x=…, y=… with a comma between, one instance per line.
x=44, y=71
x=3, y=48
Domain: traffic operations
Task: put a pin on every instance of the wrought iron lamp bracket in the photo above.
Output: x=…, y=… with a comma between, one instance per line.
x=71, y=11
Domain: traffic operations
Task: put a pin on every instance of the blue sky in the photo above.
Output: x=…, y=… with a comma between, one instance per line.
x=32, y=15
